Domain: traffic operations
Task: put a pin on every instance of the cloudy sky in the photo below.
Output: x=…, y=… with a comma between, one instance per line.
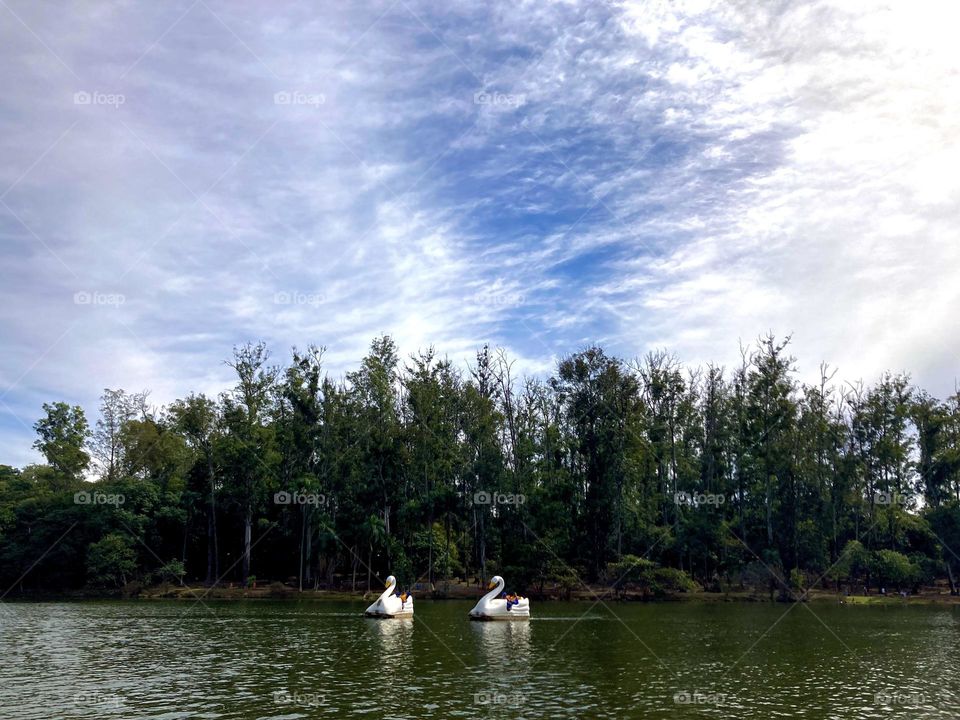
x=183, y=176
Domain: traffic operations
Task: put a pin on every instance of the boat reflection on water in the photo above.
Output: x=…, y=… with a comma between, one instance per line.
x=395, y=638
x=500, y=640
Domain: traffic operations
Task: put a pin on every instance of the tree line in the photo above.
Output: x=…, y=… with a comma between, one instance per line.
x=607, y=471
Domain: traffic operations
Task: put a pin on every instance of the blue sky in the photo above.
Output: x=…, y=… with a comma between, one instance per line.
x=181, y=177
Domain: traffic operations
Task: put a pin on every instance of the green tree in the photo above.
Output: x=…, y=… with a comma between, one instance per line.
x=197, y=419
x=247, y=445
x=62, y=435
x=111, y=561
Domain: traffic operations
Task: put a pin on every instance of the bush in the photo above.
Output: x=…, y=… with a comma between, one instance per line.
x=638, y=573
x=111, y=561
x=667, y=581
x=892, y=568
x=171, y=572
x=854, y=563
x=444, y=565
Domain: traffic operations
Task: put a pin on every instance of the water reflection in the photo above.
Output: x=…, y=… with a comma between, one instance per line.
x=247, y=661
x=503, y=641
x=394, y=636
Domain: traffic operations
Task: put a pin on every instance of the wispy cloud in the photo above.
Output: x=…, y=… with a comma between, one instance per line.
x=533, y=175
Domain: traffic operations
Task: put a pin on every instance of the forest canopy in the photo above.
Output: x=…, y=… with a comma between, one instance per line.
x=608, y=471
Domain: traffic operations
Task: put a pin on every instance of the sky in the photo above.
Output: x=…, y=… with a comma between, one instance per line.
x=181, y=177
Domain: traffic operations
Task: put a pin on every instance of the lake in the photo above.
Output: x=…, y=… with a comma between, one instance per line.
x=174, y=660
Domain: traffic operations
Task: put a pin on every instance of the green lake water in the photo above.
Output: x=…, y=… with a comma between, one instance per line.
x=173, y=660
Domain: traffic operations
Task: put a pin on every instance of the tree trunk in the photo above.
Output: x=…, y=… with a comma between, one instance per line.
x=369, y=562
x=951, y=579
x=213, y=553
x=247, y=532
x=309, y=551
x=353, y=579
x=303, y=523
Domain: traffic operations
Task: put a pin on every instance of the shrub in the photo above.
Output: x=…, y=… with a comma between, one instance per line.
x=171, y=572
x=647, y=577
x=111, y=561
x=892, y=568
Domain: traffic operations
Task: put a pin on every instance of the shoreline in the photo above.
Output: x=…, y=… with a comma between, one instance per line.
x=605, y=594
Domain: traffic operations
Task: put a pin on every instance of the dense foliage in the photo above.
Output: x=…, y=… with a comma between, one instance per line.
x=640, y=474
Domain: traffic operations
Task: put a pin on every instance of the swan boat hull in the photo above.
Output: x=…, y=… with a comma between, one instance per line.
x=386, y=615
x=492, y=607
x=510, y=616
x=389, y=605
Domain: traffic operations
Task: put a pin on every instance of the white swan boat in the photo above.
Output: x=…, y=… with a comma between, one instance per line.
x=492, y=607
x=389, y=605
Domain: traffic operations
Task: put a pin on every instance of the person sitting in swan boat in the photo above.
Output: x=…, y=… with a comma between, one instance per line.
x=498, y=605
x=513, y=599
x=392, y=603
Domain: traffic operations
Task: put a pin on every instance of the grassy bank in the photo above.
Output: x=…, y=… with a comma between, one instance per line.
x=464, y=591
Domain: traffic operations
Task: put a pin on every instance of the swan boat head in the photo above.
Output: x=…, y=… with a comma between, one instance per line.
x=493, y=607
x=389, y=605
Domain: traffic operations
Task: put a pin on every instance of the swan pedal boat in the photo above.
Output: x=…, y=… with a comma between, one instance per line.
x=492, y=607
x=389, y=605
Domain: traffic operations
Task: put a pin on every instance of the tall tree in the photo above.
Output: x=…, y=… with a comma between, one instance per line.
x=117, y=408
x=197, y=419
x=248, y=442
x=62, y=435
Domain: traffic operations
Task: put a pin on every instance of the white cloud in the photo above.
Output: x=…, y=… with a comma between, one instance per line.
x=679, y=173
